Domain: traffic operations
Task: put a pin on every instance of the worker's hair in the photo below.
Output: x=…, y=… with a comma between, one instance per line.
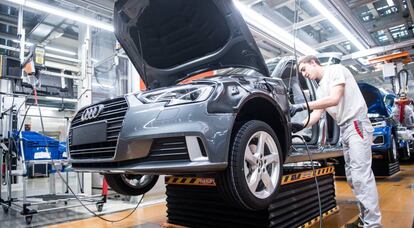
x=309, y=59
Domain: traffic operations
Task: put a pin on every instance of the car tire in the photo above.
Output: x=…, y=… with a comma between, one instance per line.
x=411, y=152
x=253, y=175
x=131, y=184
x=392, y=152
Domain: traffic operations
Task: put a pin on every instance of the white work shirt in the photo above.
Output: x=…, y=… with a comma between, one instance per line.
x=352, y=105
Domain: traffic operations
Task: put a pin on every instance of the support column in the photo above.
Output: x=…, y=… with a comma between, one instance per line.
x=85, y=88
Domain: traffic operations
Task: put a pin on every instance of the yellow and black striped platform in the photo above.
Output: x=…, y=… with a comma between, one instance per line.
x=286, y=179
x=317, y=219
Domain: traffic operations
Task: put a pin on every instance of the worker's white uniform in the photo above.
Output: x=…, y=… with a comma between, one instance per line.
x=356, y=132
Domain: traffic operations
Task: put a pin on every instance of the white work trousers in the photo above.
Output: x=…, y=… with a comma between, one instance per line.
x=357, y=140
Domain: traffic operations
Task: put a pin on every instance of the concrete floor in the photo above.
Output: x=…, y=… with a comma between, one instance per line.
x=396, y=202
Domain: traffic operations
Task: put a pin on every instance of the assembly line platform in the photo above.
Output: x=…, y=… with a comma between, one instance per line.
x=196, y=202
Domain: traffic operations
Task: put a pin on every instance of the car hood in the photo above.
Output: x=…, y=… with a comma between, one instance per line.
x=168, y=41
x=374, y=99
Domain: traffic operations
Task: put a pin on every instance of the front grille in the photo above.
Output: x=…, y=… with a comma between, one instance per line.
x=114, y=113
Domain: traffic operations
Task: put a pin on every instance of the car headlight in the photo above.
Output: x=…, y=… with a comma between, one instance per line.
x=379, y=124
x=179, y=94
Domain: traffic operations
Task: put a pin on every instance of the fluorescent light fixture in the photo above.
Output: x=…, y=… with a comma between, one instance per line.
x=353, y=68
x=59, y=99
x=268, y=27
x=64, y=13
x=62, y=57
x=363, y=61
x=335, y=22
x=60, y=50
x=390, y=3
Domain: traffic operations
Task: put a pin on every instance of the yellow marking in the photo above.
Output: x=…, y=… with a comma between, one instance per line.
x=295, y=177
x=316, y=220
x=198, y=181
x=286, y=179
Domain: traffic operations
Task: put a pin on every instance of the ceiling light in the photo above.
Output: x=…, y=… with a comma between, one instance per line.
x=390, y=3
x=363, y=61
x=353, y=68
x=335, y=22
x=268, y=27
x=62, y=57
x=64, y=13
x=27, y=43
x=60, y=50
x=59, y=99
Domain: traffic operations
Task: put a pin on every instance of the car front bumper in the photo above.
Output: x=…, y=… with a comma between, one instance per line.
x=157, y=139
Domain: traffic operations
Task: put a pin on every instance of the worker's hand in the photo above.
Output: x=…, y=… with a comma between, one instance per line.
x=297, y=108
x=296, y=127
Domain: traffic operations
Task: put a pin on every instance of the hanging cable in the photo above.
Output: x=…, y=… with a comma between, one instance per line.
x=295, y=21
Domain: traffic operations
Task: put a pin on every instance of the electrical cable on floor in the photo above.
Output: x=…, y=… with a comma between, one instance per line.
x=314, y=175
x=60, y=174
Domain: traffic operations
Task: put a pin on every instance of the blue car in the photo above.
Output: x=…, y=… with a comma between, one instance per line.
x=385, y=140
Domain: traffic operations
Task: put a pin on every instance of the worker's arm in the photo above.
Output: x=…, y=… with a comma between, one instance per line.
x=332, y=99
x=336, y=94
x=315, y=116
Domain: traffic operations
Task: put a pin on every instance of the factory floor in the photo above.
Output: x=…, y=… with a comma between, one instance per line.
x=396, y=195
x=396, y=201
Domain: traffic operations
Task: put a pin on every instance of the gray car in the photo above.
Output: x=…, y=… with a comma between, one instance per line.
x=233, y=125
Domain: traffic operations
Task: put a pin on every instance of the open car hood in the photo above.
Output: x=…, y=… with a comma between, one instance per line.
x=168, y=41
x=374, y=99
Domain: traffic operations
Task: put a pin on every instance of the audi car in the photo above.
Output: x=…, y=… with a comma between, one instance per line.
x=385, y=137
x=233, y=125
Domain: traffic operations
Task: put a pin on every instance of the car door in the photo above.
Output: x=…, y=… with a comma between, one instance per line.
x=295, y=84
x=323, y=136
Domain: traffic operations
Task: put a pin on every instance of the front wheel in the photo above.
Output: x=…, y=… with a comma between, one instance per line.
x=131, y=184
x=254, y=170
x=392, y=151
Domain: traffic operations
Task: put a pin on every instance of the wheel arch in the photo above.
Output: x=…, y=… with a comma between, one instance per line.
x=260, y=107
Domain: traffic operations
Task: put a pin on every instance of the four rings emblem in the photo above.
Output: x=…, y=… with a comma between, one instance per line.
x=92, y=112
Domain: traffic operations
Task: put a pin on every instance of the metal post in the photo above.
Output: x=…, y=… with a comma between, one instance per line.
x=1, y=171
x=24, y=188
x=52, y=183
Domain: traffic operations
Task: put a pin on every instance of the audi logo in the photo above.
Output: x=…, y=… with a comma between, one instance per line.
x=92, y=112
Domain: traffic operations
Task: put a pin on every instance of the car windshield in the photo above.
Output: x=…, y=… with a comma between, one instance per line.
x=374, y=103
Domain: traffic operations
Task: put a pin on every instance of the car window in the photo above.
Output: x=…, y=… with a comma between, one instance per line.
x=295, y=84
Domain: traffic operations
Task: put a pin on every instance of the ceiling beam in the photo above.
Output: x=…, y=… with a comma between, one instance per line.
x=384, y=23
x=276, y=4
x=334, y=40
x=8, y=36
x=306, y=22
x=374, y=12
x=374, y=74
x=378, y=50
x=358, y=3
x=282, y=21
x=411, y=10
x=350, y=19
